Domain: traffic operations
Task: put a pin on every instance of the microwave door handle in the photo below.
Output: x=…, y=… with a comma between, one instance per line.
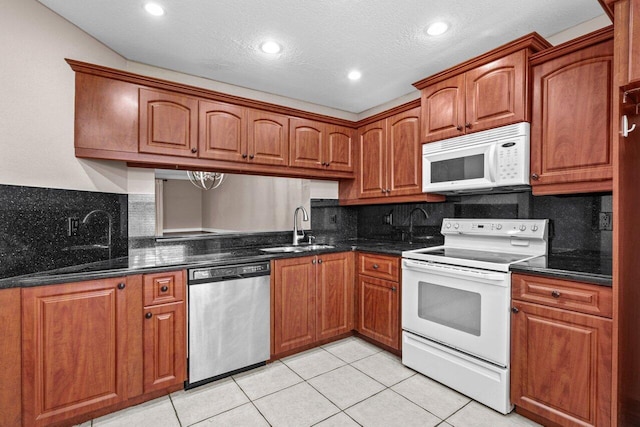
x=492, y=163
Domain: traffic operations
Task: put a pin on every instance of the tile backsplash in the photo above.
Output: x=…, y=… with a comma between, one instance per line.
x=34, y=228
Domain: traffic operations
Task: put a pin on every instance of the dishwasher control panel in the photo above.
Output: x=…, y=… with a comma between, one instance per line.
x=229, y=271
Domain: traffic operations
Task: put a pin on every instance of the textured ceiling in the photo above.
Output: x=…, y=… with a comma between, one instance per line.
x=322, y=40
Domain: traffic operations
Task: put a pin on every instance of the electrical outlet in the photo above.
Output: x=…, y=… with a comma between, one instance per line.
x=605, y=222
x=388, y=218
x=333, y=219
x=72, y=226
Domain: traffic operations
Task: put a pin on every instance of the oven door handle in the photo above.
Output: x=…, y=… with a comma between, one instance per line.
x=454, y=271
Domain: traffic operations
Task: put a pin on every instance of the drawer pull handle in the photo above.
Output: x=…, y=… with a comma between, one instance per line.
x=555, y=294
x=376, y=266
x=164, y=288
x=148, y=315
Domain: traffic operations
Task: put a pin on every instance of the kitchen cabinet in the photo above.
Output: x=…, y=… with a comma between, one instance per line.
x=488, y=96
x=312, y=300
x=571, y=128
x=390, y=156
x=485, y=92
x=569, y=324
x=267, y=138
x=378, y=299
x=320, y=145
x=81, y=347
x=164, y=330
x=168, y=123
x=10, y=362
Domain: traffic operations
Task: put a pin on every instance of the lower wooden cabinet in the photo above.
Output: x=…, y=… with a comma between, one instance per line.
x=10, y=375
x=91, y=345
x=78, y=347
x=164, y=334
x=312, y=300
x=561, y=360
x=378, y=299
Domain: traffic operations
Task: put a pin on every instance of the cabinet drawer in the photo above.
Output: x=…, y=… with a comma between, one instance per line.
x=575, y=296
x=163, y=288
x=384, y=267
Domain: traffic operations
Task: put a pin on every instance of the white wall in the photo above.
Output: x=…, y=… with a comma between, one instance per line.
x=580, y=29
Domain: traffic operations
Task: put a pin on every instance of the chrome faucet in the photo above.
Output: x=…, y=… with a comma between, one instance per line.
x=426, y=215
x=110, y=225
x=305, y=217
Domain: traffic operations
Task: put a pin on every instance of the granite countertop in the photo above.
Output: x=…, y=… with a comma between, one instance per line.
x=589, y=267
x=177, y=256
x=582, y=266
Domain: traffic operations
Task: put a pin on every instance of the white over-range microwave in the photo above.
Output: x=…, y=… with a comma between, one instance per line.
x=495, y=160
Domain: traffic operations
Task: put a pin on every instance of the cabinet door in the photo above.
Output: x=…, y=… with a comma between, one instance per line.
x=571, y=146
x=268, y=138
x=334, y=294
x=168, y=123
x=404, y=154
x=294, y=303
x=222, y=131
x=496, y=93
x=10, y=362
x=306, y=143
x=373, y=160
x=378, y=310
x=561, y=365
x=164, y=346
x=443, y=106
x=339, y=148
x=74, y=349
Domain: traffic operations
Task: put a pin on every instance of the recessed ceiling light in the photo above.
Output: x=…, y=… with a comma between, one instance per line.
x=437, y=28
x=270, y=47
x=154, y=9
x=354, y=75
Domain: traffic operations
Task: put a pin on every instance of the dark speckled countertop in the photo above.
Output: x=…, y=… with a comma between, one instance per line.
x=580, y=266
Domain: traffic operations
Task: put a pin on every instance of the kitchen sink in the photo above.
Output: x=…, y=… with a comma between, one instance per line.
x=299, y=248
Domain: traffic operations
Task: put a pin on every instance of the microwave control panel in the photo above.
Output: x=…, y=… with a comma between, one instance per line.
x=512, y=163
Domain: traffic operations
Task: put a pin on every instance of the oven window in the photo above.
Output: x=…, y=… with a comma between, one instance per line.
x=454, y=308
x=462, y=168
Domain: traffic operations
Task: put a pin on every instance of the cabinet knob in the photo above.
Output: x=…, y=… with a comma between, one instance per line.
x=251, y=156
x=313, y=261
x=467, y=125
x=244, y=155
x=148, y=315
x=555, y=294
x=194, y=150
x=535, y=176
x=164, y=288
x=319, y=261
x=376, y=266
x=121, y=286
x=514, y=310
x=328, y=164
x=459, y=128
x=393, y=289
x=324, y=163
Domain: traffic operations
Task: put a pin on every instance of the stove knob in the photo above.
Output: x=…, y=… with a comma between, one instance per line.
x=534, y=228
x=523, y=227
x=499, y=227
x=456, y=226
x=448, y=225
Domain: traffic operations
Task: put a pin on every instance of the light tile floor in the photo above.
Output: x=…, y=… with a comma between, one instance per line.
x=345, y=383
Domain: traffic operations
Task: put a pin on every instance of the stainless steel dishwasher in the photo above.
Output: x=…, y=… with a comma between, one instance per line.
x=229, y=320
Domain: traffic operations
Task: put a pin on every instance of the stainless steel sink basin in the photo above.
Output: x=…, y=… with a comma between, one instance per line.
x=299, y=248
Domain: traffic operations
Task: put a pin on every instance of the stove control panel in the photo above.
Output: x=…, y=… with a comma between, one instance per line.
x=528, y=228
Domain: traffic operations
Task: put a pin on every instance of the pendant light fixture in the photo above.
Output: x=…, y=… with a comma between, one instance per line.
x=205, y=180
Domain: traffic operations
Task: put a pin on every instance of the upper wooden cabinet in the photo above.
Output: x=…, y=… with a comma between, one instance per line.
x=485, y=92
x=571, y=129
x=320, y=145
x=267, y=138
x=390, y=158
x=222, y=131
x=168, y=123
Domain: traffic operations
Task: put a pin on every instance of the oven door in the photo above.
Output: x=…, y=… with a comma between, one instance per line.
x=463, y=308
